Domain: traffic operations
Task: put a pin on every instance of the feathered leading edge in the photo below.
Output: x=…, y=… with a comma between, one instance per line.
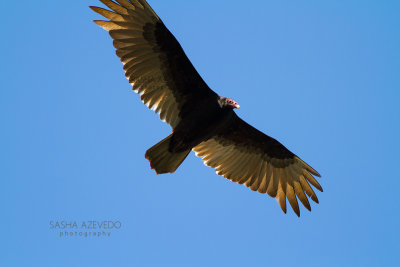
x=247, y=156
x=162, y=160
x=134, y=26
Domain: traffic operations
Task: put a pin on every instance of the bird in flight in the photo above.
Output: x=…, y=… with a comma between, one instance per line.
x=201, y=120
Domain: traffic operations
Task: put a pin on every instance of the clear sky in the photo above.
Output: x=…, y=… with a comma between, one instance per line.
x=322, y=77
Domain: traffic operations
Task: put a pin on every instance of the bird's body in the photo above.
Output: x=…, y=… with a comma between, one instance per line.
x=201, y=120
x=201, y=124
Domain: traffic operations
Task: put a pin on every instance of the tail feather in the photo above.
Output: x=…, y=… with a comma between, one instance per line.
x=162, y=160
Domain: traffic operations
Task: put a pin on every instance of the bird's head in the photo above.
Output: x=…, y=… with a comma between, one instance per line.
x=228, y=102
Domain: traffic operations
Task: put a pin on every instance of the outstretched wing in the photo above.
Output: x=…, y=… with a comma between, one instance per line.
x=154, y=62
x=247, y=156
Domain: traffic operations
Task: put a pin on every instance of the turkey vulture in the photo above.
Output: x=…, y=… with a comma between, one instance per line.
x=159, y=70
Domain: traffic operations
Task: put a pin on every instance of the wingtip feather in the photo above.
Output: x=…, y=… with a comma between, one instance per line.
x=309, y=168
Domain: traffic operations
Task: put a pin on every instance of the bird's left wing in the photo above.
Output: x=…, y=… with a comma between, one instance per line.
x=247, y=156
x=154, y=61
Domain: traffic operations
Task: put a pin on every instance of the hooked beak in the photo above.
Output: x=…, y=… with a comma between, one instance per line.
x=237, y=106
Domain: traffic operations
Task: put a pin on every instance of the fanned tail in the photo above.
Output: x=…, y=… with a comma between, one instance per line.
x=162, y=160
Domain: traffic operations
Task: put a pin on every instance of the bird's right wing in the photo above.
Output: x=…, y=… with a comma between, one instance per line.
x=154, y=62
x=247, y=156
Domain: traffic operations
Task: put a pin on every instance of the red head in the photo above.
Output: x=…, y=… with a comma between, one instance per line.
x=228, y=102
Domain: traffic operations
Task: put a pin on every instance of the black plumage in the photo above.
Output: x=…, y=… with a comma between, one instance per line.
x=201, y=120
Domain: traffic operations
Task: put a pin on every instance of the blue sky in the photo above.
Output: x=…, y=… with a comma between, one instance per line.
x=322, y=77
